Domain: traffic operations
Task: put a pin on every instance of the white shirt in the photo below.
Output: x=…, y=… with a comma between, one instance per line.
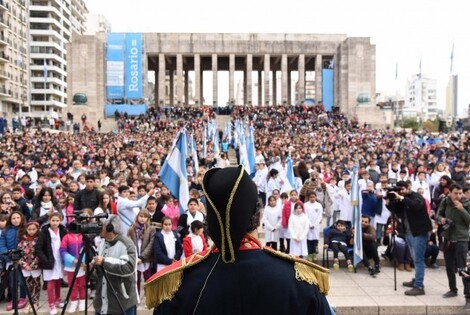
x=314, y=212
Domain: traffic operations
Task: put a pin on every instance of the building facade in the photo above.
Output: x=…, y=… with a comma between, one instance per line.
x=420, y=98
x=52, y=24
x=13, y=58
x=343, y=67
x=96, y=23
x=451, y=97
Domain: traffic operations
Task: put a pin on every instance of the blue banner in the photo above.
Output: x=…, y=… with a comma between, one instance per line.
x=328, y=89
x=115, y=65
x=133, y=75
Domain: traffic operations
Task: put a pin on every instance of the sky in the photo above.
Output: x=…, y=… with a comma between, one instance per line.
x=405, y=32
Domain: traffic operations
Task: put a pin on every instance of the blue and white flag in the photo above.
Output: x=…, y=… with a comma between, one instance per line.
x=251, y=152
x=194, y=155
x=355, y=200
x=290, y=171
x=174, y=174
x=452, y=59
x=243, y=153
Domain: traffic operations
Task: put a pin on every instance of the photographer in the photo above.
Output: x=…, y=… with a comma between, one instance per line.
x=118, y=256
x=411, y=209
x=454, y=216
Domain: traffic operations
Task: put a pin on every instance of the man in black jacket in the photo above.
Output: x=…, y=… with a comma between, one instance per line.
x=88, y=197
x=411, y=209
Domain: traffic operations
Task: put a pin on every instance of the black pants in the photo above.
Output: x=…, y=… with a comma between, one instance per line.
x=370, y=252
x=455, y=256
x=273, y=245
x=312, y=246
x=337, y=247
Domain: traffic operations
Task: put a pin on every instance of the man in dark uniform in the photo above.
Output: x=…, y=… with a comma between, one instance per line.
x=237, y=275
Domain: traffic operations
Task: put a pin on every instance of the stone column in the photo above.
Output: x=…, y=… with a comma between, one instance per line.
x=197, y=79
x=214, y=80
x=260, y=88
x=156, y=90
x=161, y=79
x=249, y=76
x=284, y=88
x=186, y=87
x=201, y=91
x=179, y=79
x=301, y=85
x=266, y=79
x=245, y=100
x=231, y=78
x=289, y=91
x=172, y=88
x=318, y=78
x=274, y=87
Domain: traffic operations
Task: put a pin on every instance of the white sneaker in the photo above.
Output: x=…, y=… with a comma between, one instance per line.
x=81, y=306
x=73, y=307
x=52, y=310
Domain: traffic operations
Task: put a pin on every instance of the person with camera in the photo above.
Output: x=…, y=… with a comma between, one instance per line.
x=410, y=207
x=454, y=216
x=117, y=255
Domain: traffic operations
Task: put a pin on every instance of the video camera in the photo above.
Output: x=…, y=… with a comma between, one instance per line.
x=391, y=197
x=13, y=254
x=82, y=223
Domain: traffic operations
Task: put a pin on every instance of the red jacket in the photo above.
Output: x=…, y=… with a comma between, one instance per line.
x=188, y=246
x=286, y=210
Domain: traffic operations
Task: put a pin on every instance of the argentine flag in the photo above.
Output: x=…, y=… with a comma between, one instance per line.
x=290, y=171
x=356, y=217
x=173, y=173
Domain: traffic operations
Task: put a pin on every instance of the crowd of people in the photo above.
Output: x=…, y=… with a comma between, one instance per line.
x=46, y=177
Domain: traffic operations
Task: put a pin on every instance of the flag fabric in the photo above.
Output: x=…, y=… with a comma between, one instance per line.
x=174, y=174
x=251, y=152
x=355, y=200
x=194, y=155
x=452, y=59
x=290, y=171
x=396, y=71
x=244, y=154
x=45, y=70
x=419, y=74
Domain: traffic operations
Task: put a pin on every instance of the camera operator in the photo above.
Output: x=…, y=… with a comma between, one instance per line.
x=118, y=256
x=410, y=207
x=454, y=216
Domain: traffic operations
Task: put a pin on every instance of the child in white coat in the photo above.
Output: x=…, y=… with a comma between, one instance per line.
x=298, y=228
x=272, y=222
x=314, y=211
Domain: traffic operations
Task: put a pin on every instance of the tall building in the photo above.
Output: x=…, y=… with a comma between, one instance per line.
x=451, y=96
x=52, y=24
x=13, y=57
x=96, y=23
x=420, y=98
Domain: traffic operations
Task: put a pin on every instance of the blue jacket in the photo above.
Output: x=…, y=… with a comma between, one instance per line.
x=9, y=240
x=160, y=252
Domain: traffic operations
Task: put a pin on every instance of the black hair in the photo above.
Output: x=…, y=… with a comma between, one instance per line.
x=195, y=225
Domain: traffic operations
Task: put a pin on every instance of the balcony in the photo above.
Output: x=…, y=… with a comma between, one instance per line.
x=3, y=6
x=4, y=58
x=4, y=91
x=3, y=24
x=3, y=40
x=4, y=75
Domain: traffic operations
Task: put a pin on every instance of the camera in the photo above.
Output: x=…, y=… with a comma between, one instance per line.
x=82, y=223
x=13, y=254
x=449, y=224
x=390, y=196
x=464, y=273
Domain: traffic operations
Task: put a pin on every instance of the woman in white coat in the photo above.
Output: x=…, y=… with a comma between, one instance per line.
x=299, y=226
x=314, y=211
x=272, y=219
x=380, y=220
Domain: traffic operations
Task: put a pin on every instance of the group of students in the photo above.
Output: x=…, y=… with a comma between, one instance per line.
x=293, y=224
x=51, y=250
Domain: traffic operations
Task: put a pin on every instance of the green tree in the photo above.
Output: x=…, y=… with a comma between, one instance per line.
x=410, y=123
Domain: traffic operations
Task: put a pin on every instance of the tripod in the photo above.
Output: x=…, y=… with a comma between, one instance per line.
x=86, y=254
x=15, y=270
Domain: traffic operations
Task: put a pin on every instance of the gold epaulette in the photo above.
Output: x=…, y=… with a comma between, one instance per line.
x=164, y=284
x=306, y=270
